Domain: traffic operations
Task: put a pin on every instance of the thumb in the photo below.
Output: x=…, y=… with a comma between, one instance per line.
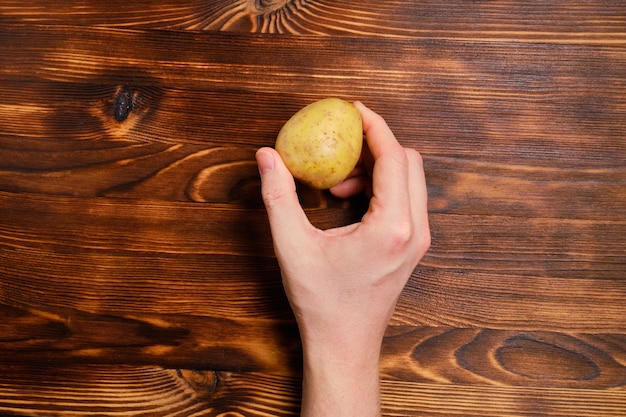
x=278, y=190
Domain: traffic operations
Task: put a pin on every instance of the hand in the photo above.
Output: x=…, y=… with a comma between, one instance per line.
x=343, y=283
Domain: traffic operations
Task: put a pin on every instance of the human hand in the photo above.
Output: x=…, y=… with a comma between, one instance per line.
x=343, y=283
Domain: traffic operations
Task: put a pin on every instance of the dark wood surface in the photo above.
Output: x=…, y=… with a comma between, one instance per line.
x=137, y=275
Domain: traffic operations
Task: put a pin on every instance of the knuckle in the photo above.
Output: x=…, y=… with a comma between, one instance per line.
x=406, y=240
x=272, y=197
x=399, y=154
x=424, y=243
x=400, y=235
x=415, y=157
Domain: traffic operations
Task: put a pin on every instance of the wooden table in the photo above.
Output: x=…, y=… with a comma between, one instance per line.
x=137, y=275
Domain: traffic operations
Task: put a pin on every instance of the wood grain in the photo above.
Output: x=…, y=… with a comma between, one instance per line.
x=579, y=21
x=137, y=273
x=154, y=392
x=402, y=399
x=505, y=357
x=148, y=391
x=67, y=337
x=513, y=105
x=103, y=245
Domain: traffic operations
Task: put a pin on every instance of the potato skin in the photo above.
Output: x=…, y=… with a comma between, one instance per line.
x=321, y=144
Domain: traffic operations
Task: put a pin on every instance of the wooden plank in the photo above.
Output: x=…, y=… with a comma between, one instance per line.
x=577, y=21
x=190, y=56
x=548, y=359
x=506, y=104
x=223, y=286
x=80, y=149
x=66, y=336
x=508, y=74
x=83, y=391
x=410, y=399
x=72, y=225
x=165, y=256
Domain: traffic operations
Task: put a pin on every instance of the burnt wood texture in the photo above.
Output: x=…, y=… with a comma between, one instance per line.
x=137, y=274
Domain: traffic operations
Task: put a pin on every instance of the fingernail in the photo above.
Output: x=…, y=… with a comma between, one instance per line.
x=265, y=161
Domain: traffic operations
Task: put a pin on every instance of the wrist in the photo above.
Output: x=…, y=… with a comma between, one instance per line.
x=341, y=376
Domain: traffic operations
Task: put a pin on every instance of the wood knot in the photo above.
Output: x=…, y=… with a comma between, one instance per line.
x=533, y=358
x=124, y=103
x=204, y=383
x=266, y=6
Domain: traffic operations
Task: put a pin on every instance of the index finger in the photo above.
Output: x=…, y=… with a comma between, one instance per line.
x=390, y=188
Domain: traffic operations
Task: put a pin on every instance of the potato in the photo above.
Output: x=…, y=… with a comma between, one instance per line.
x=321, y=144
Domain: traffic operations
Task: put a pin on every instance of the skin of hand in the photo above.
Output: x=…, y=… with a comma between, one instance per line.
x=343, y=283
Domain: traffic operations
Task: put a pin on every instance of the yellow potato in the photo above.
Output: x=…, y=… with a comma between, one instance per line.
x=321, y=143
